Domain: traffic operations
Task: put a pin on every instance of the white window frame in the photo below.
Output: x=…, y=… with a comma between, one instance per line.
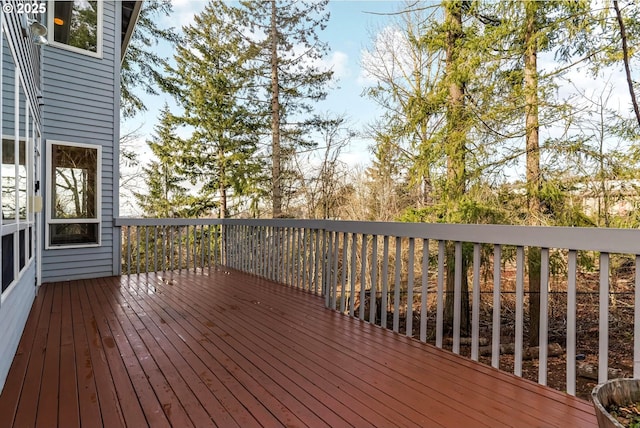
x=50, y=15
x=50, y=220
x=19, y=224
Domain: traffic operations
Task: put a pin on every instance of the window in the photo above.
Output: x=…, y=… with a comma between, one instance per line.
x=77, y=25
x=73, y=208
x=19, y=144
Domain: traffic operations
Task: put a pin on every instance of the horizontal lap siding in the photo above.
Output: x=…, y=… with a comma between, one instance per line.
x=13, y=316
x=16, y=49
x=80, y=97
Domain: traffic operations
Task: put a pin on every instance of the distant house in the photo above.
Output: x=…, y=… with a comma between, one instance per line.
x=623, y=196
x=60, y=132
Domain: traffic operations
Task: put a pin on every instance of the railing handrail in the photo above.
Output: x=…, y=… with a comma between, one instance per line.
x=605, y=240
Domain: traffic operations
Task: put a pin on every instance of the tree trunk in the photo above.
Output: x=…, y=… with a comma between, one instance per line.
x=275, y=118
x=625, y=57
x=533, y=161
x=455, y=150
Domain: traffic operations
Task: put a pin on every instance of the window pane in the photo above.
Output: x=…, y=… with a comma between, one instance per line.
x=7, y=261
x=76, y=24
x=22, y=248
x=74, y=171
x=9, y=179
x=65, y=234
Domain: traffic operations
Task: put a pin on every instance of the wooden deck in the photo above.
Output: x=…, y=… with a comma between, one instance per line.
x=225, y=349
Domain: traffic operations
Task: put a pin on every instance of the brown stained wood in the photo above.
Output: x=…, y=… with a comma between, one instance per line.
x=220, y=348
x=88, y=404
x=125, y=367
x=96, y=369
x=16, y=377
x=47, y=413
x=69, y=415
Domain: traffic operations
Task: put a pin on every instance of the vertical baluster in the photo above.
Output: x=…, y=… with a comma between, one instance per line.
x=603, y=336
x=544, y=314
x=636, y=323
x=373, y=290
x=385, y=282
x=242, y=248
x=396, y=290
x=475, y=315
x=284, y=258
x=171, y=248
x=343, y=291
x=327, y=279
x=409, y=317
x=571, y=322
x=294, y=256
x=187, y=247
x=202, y=247
x=300, y=258
x=146, y=249
x=288, y=258
x=216, y=259
x=363, y=276
x=294, y=251
x=323, y=262
x=316, y=255
x=352, y=288
x=270, y=249
x=164, y=248
x=138, y=250
x=336, y=249
x=457, y=297
x=179, y=248
x=517, y=355
x=155, y=248
x=303, y=277
x=424, y=288
x=252, y=254
x=129, y=249
x=440, y=293
x=495, y=334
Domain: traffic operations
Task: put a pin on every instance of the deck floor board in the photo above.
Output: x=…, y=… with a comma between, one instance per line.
x=220, y=348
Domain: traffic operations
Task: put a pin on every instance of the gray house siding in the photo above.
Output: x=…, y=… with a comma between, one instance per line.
x=81, y=97
x=15, y=303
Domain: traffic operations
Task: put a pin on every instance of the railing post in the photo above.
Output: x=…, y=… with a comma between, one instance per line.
x=495, y=334
x=571, y=322
x=603, y=330
x=440, y=292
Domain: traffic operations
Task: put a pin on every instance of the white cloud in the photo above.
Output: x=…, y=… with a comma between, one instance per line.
x=184, y=11
x=339, y=63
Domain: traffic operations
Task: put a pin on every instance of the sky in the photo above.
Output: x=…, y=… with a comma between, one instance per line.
x=351, y=30
x=348, y=32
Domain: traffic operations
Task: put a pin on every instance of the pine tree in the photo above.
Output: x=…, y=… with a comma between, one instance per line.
x=142, y=67
x=287, y=47
x=211, y=83
x=166, y=197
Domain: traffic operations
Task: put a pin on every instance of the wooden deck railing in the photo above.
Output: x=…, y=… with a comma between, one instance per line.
x=396, y=274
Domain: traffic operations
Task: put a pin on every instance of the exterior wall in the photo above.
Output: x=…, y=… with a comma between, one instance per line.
x=16, y=301
x=81, y=105
x=13, y=316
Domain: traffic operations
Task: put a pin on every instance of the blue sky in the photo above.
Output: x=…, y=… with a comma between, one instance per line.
x=349, y=31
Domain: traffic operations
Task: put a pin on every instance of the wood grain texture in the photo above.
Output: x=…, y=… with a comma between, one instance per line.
x=220, y=348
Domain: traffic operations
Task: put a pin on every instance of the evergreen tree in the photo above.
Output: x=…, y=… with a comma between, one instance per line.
x=211, y=83
x=142, y=67
x=166, y=197
x=287, y=47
